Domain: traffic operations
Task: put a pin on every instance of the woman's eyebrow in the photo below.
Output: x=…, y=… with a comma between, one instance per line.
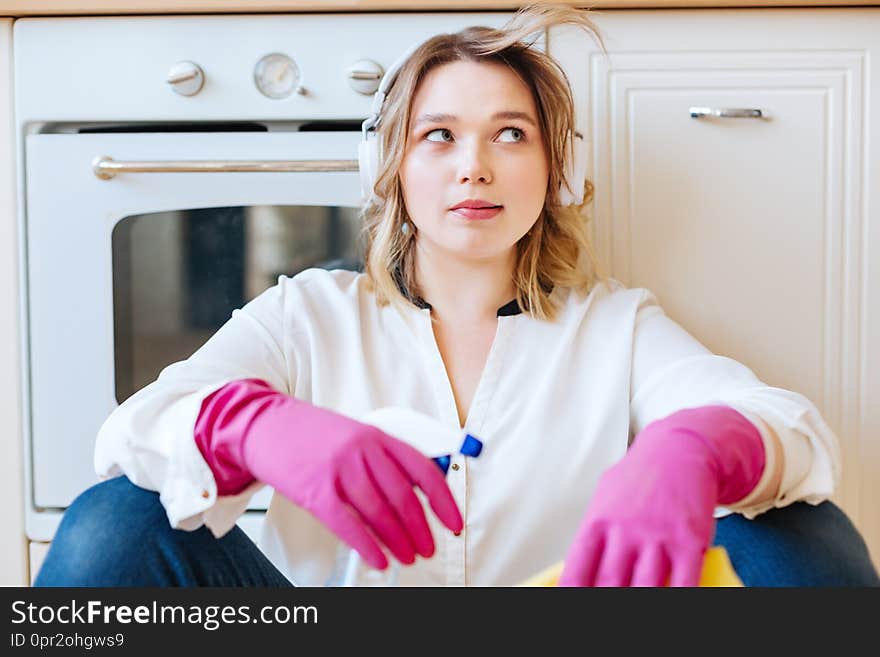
x=451, y=118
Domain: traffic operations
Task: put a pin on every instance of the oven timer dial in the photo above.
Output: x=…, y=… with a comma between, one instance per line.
x=277, y=76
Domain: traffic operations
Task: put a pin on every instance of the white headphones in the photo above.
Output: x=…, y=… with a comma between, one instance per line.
x=368, y=148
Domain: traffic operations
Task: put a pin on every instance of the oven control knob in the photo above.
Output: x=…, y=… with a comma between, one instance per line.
x=364, y=76
x=186, y=78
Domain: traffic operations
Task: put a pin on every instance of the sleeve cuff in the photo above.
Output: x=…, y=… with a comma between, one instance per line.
x=810, y=467
x=189, y=490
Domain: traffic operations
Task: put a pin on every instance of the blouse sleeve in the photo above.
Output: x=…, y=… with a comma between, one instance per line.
x=150, y=436
x=671, y=370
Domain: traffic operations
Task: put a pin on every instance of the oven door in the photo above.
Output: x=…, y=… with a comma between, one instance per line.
x=128, y=274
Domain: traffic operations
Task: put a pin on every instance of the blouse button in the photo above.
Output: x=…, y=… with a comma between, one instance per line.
x=206, y=494
x=455, y=466
x=456, y=533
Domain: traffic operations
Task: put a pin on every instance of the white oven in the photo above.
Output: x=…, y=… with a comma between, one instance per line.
x=171, y=169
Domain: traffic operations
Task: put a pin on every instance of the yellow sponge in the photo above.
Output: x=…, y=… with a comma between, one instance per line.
x=717, y=571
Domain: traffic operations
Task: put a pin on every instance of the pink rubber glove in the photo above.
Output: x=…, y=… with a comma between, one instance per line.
x=651, y=518
x=353, y=477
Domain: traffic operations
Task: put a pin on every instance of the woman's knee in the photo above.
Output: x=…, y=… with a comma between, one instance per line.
x=797, y=545
x=102, y=530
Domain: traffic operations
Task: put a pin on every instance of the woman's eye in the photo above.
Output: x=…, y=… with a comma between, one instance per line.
x=516, y=134
x=445, y=135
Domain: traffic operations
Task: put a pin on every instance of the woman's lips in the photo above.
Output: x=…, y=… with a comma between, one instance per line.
x=478, y=213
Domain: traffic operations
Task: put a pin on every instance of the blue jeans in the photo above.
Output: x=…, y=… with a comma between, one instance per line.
x=116, y=534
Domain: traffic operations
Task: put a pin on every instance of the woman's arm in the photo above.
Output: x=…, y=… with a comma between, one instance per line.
x=353, y=477
x=706, y=434
x=671, y=370
x=149, y=437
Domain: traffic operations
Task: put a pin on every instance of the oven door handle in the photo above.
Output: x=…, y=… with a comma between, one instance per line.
x=106, y=167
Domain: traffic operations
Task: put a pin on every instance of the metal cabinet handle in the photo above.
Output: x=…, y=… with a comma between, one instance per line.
x=730, y=113
x=106, y=167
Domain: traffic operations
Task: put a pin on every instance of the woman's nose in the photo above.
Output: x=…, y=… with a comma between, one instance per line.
x=474, y=166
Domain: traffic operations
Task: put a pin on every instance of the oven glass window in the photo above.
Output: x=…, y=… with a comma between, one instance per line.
x=177, y=276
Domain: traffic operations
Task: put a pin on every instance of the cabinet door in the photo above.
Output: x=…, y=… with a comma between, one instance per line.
x=754, y=233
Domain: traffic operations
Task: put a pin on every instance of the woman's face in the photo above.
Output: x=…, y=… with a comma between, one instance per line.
x=473, y=137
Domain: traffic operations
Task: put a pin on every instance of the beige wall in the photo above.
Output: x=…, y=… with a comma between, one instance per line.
x=13, y=569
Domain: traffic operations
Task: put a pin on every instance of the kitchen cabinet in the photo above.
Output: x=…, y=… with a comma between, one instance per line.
x=759, y=235
x=13, y=548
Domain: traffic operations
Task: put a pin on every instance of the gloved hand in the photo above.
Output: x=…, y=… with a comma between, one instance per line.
x=651, y=518
x=353, y=477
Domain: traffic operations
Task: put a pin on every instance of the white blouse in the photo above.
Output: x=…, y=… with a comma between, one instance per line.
x=556, y=405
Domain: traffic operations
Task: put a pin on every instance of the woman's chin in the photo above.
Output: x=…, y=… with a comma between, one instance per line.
x=476, y=250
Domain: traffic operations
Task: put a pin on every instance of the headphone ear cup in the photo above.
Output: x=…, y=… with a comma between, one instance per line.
x=368, y=164
x=575, y=174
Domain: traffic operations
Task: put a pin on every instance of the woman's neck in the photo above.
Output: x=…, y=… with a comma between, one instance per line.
x=464, y=291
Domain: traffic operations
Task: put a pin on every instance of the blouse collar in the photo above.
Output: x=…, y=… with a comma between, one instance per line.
x=512, y=307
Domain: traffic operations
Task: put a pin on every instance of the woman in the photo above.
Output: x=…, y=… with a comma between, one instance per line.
x=483, y=306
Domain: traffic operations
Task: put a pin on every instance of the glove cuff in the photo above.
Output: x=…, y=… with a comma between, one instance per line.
x=733, y=443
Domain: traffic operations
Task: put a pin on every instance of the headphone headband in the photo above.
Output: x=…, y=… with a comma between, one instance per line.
x=372, y=121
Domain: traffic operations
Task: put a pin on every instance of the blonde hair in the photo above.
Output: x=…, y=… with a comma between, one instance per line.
x=557, y=249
